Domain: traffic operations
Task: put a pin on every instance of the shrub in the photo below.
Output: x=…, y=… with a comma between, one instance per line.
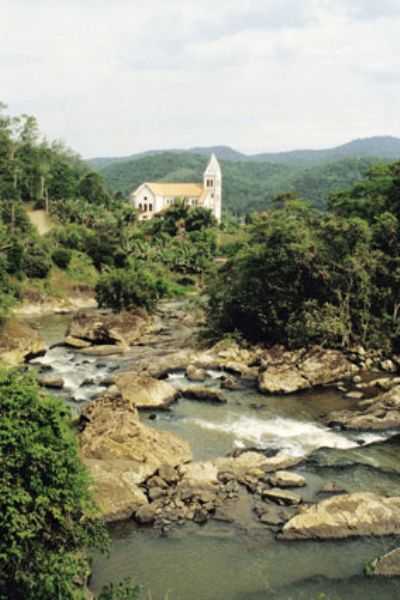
x=36, y=261
x=136, y=286
x=46, y=511
x=62, y=257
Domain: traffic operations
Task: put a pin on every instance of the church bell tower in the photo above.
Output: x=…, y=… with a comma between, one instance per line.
x=213, y=187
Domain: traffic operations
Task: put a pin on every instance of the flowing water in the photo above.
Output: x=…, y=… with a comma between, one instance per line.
x=242, y=562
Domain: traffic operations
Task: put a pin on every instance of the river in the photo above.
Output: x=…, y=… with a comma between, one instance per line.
x=220, y=561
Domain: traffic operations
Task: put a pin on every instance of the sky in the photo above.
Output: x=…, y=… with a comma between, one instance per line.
x=115, y=77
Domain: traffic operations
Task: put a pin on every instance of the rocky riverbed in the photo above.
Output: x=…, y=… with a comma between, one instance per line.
x=204, y=451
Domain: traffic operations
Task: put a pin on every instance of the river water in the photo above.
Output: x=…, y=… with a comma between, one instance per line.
x=244, y=561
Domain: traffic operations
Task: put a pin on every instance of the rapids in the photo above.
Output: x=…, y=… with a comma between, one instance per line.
x=219, y=561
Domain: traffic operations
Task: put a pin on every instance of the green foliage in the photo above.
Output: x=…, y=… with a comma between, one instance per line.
x=62, y=257
x=140, y=285
x=91, y=188
x=307, y=277
x=45, y=506
x=248, y=185
x=36, y=260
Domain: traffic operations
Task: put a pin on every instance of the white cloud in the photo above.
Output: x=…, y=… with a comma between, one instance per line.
x=117, y=77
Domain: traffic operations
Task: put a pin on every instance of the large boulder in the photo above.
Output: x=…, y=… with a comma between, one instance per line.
x=19, y=342
x=282, y=379
x=287, y=373
x=121, y=453
x=379, y=413
x=106, y=329
x=145, y=392
x=345, y=516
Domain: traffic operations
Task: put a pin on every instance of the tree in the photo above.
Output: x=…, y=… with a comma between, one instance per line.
x=141, y=285
x=46, y=513
x=91, y=187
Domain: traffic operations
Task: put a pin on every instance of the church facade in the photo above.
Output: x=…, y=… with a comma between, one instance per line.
x=152, y=198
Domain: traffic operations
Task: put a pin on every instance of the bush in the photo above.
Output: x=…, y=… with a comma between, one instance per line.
x=62, y=257
x=137, y=286
x=45, y=506
x=36, y=261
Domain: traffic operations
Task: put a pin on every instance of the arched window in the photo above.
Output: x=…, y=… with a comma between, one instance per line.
x=140, y=206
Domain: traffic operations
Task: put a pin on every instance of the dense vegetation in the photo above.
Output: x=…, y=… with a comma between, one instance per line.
x=45, y=508
x=96, y=236
x=248, y=186
x=304, y=276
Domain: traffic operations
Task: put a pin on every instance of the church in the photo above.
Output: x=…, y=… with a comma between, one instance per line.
x=151, y=198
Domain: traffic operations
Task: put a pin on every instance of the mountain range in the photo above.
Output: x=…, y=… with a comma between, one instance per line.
x=387, y=147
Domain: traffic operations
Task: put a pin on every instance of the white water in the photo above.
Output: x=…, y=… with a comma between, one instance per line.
x=294, y=437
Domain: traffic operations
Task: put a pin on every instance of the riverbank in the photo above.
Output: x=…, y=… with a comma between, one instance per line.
x=241, y=511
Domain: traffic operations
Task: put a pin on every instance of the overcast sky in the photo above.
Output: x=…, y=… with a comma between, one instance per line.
x=113, y=77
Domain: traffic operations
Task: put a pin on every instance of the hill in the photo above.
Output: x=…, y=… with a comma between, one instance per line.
x=248, y=185
x=386, y=147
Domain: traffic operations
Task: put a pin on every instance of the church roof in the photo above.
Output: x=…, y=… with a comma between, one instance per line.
x=176, y=190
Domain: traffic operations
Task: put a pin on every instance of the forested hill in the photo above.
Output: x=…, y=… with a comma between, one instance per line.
x=386, y=147
x=251, y=182
x=248, y=185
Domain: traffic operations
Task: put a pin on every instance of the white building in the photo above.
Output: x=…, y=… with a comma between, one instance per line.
x=151, y=198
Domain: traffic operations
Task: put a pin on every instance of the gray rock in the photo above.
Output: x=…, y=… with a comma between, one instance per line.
x=387, y=565
x=282, y=497
x=146, y=515
x=286, y=479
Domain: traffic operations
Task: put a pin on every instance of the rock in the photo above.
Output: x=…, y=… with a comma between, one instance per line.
x=303, y=370
x=146, y=515
x=387, y=565
x=388, y=365
x=345, y=516
x=121, y=453
x=230, y=383
x=19, y=343
x=108, y=329
x=156, y=482
x=200, y=516
x=195, y=374
x=355, y=395
x=282, y=379
x=155, y=493
x=168, y=474
x=145, y=392
x=282, y=497
x=273, y=515
x=249, y=463
x=170, y=363
x=104, y=350
x=332, y=488
x=117, y=495
x=51, y=381
x=199, y=475
x=380, y=413
x=203, y=394
x=76, y=343
x=285, y=479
